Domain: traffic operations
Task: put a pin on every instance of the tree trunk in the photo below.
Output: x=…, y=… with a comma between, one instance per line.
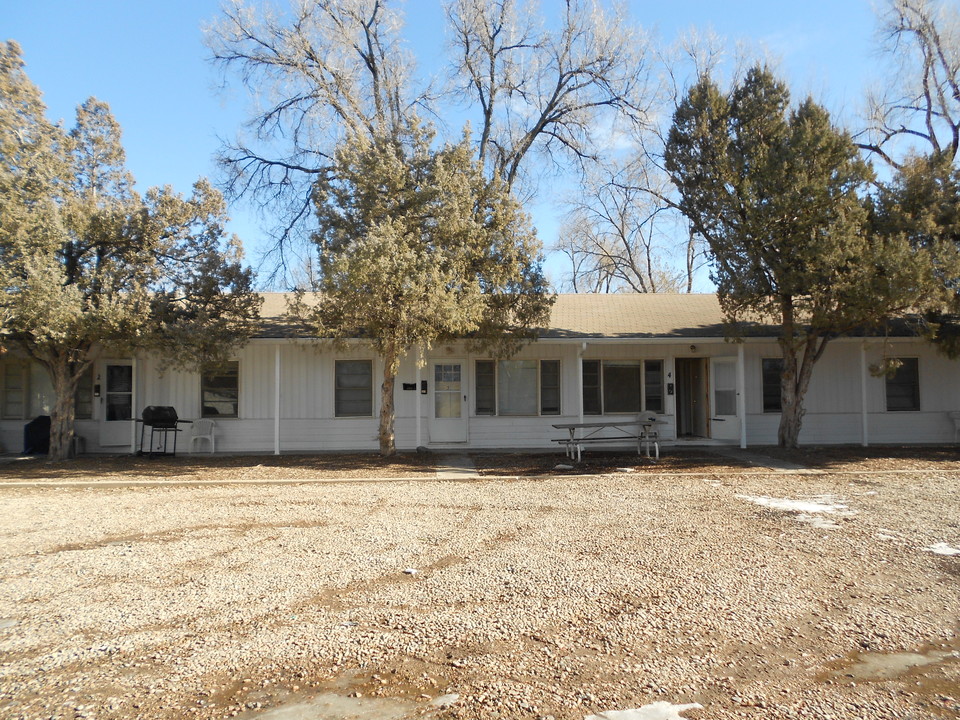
x=61, y=419
x=386, y=436
x=791, y=405
x=793, y=387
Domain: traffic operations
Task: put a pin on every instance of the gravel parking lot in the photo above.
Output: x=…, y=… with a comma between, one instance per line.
x=755, y=593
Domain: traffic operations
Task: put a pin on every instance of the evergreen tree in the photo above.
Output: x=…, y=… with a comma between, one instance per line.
x=416, y=246
x=89, y=266
x=779, y=195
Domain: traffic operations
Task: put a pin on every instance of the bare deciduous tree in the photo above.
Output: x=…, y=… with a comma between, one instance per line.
x=546, y=90
x=329, y=69
x=615, y=236
x=923, y=105
x=322, y=71
x=624, y=224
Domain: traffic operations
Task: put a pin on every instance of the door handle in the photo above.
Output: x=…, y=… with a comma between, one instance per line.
x=719, y=419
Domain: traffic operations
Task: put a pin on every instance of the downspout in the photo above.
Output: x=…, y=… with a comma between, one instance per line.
x=742, y=397
x=276, y=401
x=864, y=430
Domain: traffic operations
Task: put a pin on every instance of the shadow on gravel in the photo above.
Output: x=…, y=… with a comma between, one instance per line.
x=117, y=467
x=879, y=457
x=511, y=464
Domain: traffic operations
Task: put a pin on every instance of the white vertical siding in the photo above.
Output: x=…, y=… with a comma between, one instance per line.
x=833, y=402
x=307, y=422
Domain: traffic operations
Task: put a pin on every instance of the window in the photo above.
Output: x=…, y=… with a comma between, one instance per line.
x=517, y=387
x=14, y=391
x=772, y=369
x=353, y=392
x=83, y=397
x=903, y=387
x=486, y=394
x=549, y=387
x=653, y=386
x=220, y=391
x=622, y=386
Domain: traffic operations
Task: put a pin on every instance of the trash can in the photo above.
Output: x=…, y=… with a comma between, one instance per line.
x=36, y=436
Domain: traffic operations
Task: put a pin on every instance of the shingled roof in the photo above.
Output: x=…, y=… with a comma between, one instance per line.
x=577, y=316
x=647, y=315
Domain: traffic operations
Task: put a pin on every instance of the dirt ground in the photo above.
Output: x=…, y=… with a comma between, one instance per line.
x=829, y=591
x=228, y=468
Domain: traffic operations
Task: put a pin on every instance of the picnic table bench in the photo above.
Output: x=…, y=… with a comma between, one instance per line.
x=641, y=430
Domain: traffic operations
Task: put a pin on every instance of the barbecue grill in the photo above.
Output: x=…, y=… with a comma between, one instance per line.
x=161, y=420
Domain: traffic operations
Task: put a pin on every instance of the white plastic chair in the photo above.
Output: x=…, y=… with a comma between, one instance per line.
x=204, y=430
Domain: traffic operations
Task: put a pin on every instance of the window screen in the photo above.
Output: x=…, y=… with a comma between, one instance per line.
x=772, y=370
x=220, y=391
x=353, y=394
x=517, y=387
x=903, y=388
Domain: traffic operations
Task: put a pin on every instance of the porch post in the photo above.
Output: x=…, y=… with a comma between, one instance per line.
x=741, y=396
x=583, y=348
x=276, y=401
x=864, y=430
x=418, y=411
x=135, y=376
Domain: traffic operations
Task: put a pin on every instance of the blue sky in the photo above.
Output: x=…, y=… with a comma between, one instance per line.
x=147, y=60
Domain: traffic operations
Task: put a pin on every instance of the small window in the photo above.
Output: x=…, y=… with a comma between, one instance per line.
x=83, y=397
x=220, y=391
x=592, y=404
x=549, y=387
x=903, y=387
x=353, y=392
x=653, y=386
x=622, y=386
x=486, y=394
x=14, y=391
x=517, y=387
x=772, y=370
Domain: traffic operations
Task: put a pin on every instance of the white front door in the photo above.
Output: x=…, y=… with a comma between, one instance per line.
x=117, y=403
x=724, y=423
x=448, y=422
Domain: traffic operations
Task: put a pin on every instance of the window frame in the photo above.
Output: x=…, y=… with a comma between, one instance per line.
x=336, y=364
x=24, y=373
x=493, y=390
x=767, y=398
x=599, y=389
x=915, y=394
x=219, y=372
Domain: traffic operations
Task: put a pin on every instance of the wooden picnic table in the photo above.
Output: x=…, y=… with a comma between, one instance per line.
x=636, y=429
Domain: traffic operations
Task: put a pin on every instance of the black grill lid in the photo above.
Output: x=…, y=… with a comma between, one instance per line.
x=159, y=416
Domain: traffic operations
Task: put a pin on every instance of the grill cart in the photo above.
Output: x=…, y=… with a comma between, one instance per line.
x=162, y=421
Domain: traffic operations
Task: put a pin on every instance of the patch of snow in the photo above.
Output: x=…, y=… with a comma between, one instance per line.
x=817, y=521
x=819, y=505
x=942, y=548
x=809, y=511
x=654, y=711
x=444, y=700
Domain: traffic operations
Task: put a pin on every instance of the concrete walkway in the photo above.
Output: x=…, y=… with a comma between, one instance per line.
x=758, y=459
x=456, y=467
